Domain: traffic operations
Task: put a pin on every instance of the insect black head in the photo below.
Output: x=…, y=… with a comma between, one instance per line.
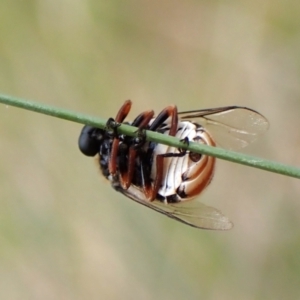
x=90, y=140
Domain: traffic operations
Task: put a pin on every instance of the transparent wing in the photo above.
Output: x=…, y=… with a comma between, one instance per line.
x=192, y=213
x=232, y=127
x=196, y=214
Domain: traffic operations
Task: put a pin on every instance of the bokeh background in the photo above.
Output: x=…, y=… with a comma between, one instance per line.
x=64, y=233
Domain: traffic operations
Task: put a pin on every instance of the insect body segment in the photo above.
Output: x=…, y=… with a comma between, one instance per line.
x=164, y=178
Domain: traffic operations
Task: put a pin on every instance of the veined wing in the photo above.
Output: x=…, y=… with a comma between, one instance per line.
x=193, y=213
x=232, y=127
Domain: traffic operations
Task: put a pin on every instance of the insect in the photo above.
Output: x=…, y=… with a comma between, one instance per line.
x=165, y=178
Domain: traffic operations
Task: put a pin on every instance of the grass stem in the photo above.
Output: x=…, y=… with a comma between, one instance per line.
x=235, y=157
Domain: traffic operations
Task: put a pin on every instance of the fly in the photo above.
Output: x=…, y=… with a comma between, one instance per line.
x=165, y=178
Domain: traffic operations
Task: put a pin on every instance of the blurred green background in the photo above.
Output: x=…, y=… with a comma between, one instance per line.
x=64, y=233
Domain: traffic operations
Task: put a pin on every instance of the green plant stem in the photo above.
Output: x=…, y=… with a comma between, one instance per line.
x=155, y=137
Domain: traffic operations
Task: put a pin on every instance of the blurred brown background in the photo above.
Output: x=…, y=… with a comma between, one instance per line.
x=64, y=233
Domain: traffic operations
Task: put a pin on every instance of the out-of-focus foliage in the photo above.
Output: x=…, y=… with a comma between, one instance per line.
x=64, y=233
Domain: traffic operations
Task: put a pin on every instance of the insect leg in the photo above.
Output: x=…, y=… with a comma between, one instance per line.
x=182, y=152
x=151, y=188
x=122, y=114
x=170, y=111
x=126, y=176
